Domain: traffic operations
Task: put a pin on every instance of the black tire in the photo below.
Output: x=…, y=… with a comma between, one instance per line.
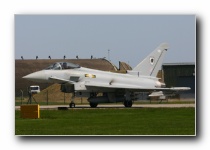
x=72, y=105
x=93, y=105
x=128, y=103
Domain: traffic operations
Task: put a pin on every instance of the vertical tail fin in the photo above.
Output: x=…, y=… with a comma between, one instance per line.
x=152, y=63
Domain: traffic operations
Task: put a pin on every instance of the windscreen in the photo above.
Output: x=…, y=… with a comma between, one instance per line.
x=62, y=66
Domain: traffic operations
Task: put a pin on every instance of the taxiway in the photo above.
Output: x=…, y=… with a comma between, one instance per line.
x=103, y=106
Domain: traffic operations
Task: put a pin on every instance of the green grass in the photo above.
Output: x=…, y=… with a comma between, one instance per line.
x=143, y=121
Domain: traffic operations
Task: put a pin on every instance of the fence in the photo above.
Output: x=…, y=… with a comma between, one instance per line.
x=47, y=97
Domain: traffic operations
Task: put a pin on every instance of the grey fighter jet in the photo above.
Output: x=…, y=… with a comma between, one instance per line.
x=114, y=87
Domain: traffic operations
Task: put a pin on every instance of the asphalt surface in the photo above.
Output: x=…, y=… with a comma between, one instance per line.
x=54, y=107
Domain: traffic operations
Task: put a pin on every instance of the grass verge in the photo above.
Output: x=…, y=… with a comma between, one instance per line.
x=143, y=121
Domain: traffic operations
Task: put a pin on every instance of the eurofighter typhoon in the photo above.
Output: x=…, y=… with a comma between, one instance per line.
x=115, y=87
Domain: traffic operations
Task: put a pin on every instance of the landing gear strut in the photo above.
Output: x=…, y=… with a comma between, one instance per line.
x=72, y=104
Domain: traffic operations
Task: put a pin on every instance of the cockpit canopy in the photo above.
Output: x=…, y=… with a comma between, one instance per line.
x=62, y=66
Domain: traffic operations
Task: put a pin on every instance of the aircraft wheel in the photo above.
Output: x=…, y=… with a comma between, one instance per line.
x=93, y=105
x=72, y=105
x=128, y=103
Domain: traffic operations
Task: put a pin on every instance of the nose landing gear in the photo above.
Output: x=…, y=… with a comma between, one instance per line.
x=72, y=104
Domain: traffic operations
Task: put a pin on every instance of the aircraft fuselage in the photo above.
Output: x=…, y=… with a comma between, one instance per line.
x=85, y=76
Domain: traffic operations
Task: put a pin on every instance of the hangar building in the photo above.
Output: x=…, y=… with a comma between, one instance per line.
x=180, y=75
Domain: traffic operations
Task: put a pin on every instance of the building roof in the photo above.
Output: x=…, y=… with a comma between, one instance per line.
x=179, y=64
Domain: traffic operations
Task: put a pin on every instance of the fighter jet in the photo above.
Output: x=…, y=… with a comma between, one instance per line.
x=105, y=87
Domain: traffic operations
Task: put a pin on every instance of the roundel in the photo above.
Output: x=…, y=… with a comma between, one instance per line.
x=152, y=60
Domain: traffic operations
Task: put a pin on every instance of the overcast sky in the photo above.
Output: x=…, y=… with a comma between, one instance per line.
x=130, y=38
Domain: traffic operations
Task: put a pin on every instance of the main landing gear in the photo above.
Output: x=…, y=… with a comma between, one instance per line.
x=128, y=99
x=93, y=105
x=128, y=103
